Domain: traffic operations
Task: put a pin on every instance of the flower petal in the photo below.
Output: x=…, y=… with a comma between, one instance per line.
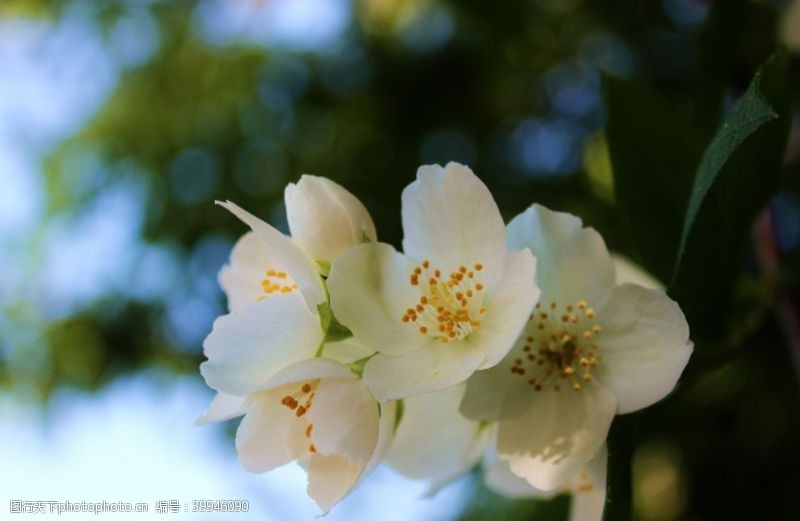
x=345, y=419
x=296, y=262
x=263, y=441
x=509, y=304
x=557, y=435
x=425, y=370
x=330, y=478
x=589, y=489
x=630, y=273
x=241, y=277
x=587, y=486
x=246, y=348
x=492, y=394
x=223, y=407
x=572, y=262
x=308, y=369
x=433, y=441
x=325, y=219
x=346, y=351
x=645, y=346
x=386, y=428
x=450, y=218
x=370, y=292
x=498, y=477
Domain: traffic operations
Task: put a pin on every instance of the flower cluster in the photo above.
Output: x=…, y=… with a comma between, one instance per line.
x=509, y=347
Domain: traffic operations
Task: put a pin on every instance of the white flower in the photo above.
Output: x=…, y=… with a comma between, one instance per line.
x=325, y=220
x=261, y=355
x=434, y=442
x=587, y=486
x=322, y=415
x=274, y=292
x=591, y=350
x=452, y=304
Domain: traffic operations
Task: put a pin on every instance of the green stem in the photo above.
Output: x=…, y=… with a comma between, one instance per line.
x=619, y=504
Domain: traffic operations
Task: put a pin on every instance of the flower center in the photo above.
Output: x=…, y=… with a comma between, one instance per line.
x=275, y=281
x=449, y=308
x=300, y=402
x=559, y=347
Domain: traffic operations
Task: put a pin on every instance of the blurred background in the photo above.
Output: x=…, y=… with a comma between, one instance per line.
x=122, y=121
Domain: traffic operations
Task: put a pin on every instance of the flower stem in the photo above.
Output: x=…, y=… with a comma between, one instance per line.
x=619, y=503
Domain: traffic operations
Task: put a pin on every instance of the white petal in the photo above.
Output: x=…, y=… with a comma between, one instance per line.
x=241, y=278
x=644, y=346
x=630, y=273
x=346, y=351
x=330, y=478
x=498, y=477
x=223, y=407
x=501, y=480
x=433, y=441
x=325, y=219
x=386, y=429
x=589, y=489
x=572, y=262
x=425, y=370
x=308, y=369
x=494, y=394
x=450, y=218
x=246, y=348
x=509, y=304
x=263, y=441
x=301, y=268
x=345, y=419
x=557, y=435
x=370, y=291
x=587, y=486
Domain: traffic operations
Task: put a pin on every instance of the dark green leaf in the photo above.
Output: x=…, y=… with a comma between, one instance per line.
x=738, y=173
x=747, y=116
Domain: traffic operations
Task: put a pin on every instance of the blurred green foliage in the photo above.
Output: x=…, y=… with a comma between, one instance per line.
x=488, y=86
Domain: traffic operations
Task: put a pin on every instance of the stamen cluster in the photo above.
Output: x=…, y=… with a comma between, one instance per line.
x=276, y=282
x=560, y=347
x=293, y=402
x=448, y=308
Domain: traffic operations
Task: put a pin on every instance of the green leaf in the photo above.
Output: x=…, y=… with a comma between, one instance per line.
x=738, y=173
x=357, y=367
x=400, y=408
x=333, y=329
x=336, y=331
x=325, y=315
x=654, y=148
x=747, y=116
x=325, y=267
